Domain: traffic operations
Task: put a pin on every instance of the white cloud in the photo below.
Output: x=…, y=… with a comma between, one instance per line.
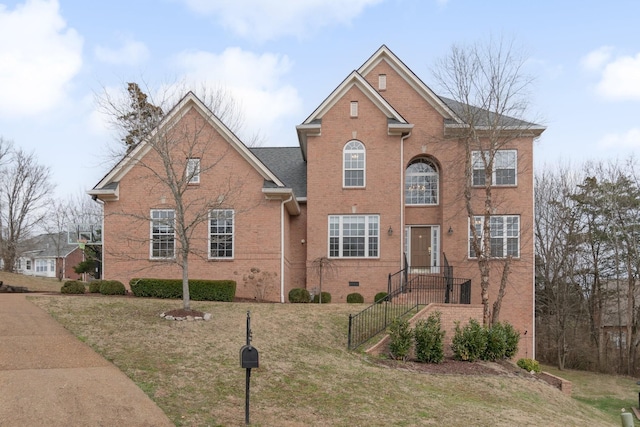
x=629, y=139
x=596, y=59
x=268, y=19
x=256, y=82
x=39, y=56
x=621, y=79
x=130, y=53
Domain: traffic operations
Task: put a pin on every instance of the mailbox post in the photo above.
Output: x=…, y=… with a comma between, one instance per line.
x=248, y=360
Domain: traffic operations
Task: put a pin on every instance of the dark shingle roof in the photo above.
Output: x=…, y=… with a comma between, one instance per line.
x=483, y=117
x=287, y=164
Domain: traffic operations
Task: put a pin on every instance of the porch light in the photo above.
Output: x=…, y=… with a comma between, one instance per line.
x=450, y=230
x=390, y=231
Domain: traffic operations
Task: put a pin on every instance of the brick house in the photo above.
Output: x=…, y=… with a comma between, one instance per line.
x=377, y=178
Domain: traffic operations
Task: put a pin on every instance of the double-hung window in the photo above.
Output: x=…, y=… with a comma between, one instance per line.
x=504, y=236
x=193, y=171
x=354, y=236
x=221, y=233
x=504, y=171
x=354, y=163
x=162, y=233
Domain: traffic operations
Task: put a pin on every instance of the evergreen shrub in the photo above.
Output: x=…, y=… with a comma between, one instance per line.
x=299, y=295
x=72, y=287
x=355, y=298
x=326, y=298
x=400, y=336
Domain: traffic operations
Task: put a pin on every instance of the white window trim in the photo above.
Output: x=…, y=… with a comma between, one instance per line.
x=436, y=174
x=345, y=151
x=367, y=236
x=233, y=235
x=192, y=171
x=151, y=234
x=505, y=236
x=493, y=173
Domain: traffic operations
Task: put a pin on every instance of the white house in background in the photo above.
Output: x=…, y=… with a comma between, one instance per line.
x=49, y=255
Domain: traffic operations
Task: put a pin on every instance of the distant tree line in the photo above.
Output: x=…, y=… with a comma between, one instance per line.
x=28, y=206
x=587, y=239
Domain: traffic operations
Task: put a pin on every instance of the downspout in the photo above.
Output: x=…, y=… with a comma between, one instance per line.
x=402, y=227
x=282, y=246
x=102, y=252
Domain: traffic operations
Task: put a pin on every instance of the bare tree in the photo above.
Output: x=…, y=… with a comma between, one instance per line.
x=173, y=155
x=24, y=193
x=558, y=231
x=490, y=95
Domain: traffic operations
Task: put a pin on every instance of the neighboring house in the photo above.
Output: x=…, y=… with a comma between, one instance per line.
x=378, y=176
x=49, y=255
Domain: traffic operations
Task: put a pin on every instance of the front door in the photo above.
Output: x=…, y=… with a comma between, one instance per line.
x=421, y=248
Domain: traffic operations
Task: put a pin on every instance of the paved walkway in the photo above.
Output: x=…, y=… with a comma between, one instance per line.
x=50, y=378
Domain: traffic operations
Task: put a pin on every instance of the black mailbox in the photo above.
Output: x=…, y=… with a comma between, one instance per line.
x=248, y=357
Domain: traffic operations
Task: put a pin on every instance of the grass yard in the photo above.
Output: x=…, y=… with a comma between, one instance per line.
x=306, y=376
x=34, y=284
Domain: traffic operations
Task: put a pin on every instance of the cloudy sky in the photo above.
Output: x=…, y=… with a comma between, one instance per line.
x=281, y=58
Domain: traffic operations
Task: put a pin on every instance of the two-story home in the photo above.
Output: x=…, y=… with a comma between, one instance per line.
x=378, y=178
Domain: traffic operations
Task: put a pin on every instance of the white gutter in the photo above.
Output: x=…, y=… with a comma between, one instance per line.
x=402, y=171
x=282, y=247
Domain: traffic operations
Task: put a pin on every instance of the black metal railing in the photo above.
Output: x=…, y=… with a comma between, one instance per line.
x=406, y=292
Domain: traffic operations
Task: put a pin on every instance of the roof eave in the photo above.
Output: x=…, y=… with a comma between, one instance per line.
x=305, y=131
x=286, y=195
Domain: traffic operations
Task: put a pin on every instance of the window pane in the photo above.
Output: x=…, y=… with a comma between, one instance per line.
x=162, y=234
x=221, y=233
x=354, y=164
x=421, y=183
x=353, y=236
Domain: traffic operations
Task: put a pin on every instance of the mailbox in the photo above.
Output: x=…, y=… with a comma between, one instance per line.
x=248, y=357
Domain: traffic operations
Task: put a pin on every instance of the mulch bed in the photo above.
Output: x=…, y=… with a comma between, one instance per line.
x=456, y=367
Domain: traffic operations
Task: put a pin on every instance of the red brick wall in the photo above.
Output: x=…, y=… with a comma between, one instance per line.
x=224, y=172
x=383, y=195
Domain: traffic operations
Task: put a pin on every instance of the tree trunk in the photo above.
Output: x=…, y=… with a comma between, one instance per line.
x=186, y=298
x=497, y=305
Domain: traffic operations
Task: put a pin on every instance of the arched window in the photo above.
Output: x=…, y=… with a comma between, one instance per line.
x=421, y=183
x=354, y=162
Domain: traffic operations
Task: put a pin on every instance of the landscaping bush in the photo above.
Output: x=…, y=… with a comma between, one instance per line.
x=428, y=337
x=513, y=338
x=400, y=339
x=72, y=287
x=94, y=287
x=112, y=287
x=380, y=296
x=496, y=343
x=355, y=298
x=469, y=343
x=199, y=290
x=299, y=295
x=326, y=298
x=529, y=365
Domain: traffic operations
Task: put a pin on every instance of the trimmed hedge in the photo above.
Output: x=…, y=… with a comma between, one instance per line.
x=72, y=287
x=112, y=287
x=299, y=295
x=199, y=290
x=326, y=298
x=94, y=287
x=355, y=298
x=400, y=336
x=380, y=296
x=429, y=336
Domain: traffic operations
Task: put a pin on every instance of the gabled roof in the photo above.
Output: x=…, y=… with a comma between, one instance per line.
x=108, y=187
x=50, y=245
x=313, y=124
x=385, y=54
